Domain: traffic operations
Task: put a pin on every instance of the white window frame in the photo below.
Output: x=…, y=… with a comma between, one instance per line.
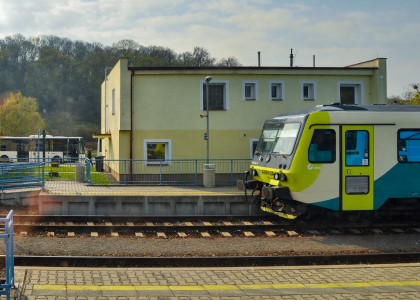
x=168, y=151
x=251, y=142
x=226, y=95
x=113, y=101
x=254, y=89
x=358, y=85
x=277, y=83
x=302, y=84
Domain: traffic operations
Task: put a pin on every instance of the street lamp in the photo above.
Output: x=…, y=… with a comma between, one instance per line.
x=208, y=79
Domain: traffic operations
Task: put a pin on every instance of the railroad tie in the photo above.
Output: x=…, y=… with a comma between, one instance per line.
x=50, y=234
x=292, y=233
x=139, y=234
x=130, y=224
x=182, y=234
x=205, y=234
x=70, y=234
x=161, y=235
x=94, y=234
x=270, y=233
x=226, y=234
x=114, y=234
x=248, y=234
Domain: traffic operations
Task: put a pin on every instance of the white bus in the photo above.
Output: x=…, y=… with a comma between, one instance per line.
x=59, y=148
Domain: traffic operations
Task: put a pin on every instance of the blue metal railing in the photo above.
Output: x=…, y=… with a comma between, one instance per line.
x=7, y=234
x=21, y=175
x=175, y=171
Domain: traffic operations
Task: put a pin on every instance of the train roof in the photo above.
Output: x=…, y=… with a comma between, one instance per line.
x=346, y=107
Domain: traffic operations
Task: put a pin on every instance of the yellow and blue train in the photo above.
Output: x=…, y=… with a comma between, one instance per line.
x=339, y=158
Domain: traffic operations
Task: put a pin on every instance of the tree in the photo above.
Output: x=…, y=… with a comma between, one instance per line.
x=19, y=115
x=415, y=96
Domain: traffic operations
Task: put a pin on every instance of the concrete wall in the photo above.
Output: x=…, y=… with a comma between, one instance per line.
x=146, y=205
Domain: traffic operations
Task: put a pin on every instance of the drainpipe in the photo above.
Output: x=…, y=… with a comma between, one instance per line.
x=131, y=125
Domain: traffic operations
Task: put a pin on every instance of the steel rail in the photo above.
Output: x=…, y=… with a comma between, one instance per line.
x=226, y=261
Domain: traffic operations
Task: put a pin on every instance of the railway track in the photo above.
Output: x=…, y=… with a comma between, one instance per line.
x=197, y=226
x=225, y=261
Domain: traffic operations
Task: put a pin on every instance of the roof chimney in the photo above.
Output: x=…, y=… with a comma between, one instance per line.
x=259, y=59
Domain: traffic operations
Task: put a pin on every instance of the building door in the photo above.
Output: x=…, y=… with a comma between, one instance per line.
x=357, y=167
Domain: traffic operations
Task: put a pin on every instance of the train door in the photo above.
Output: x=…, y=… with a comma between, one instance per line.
x=357, y=167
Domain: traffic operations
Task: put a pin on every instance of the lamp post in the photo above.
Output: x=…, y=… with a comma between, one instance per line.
x=208, y=79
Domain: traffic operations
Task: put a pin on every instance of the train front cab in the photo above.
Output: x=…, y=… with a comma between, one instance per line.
x=331, y=167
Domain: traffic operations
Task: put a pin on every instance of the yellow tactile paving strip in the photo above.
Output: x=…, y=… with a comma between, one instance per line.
x=62, y=287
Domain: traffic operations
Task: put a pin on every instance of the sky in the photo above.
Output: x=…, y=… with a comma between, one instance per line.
x=337, y=32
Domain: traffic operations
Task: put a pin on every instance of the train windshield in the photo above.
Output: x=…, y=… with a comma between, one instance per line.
x=278, y=138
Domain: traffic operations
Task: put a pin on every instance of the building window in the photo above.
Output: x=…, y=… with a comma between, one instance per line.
x=253, y=146
x=322, y=147
x=409, y=146
x=350, y=92
x=249, y=90
x=113, y=101
x=308, y=90
x=276, y=90
x=218, y=95
x=157, y=151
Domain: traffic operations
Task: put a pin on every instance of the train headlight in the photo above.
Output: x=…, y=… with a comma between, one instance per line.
x=282, y=177
x=276, y=176
x=254, y=172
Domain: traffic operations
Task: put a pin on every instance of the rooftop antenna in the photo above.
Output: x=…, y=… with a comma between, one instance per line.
x=291, y=58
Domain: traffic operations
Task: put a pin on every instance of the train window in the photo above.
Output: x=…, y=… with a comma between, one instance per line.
x=3, y=147
x=322, y=147
x=357, y=148
x=278, y=138
x=409, y=145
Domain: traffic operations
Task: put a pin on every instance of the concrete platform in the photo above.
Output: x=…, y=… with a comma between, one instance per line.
x=319, y=282
x=73, y=198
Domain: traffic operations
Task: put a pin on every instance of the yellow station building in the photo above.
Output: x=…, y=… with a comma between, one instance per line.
x=160, y=113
